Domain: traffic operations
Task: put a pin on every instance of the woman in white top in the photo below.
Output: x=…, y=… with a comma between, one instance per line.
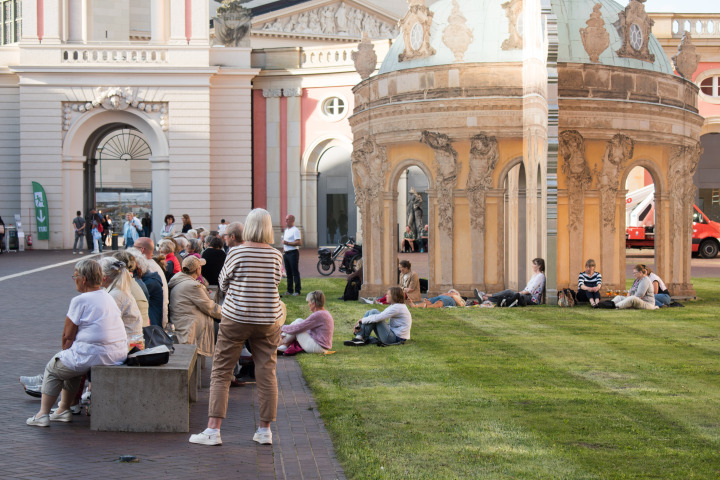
x=94, y=334
x=662, y=295
x=168, y=229
x=531, y=295
x=117, y=281
x=395, y=332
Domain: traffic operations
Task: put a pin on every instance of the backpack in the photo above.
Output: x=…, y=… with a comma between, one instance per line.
x=566, y=298
x=606, y=304
x=352, y=289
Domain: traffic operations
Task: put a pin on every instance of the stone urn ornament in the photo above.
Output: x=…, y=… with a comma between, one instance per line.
x=686, y=61
x=232, y=23
x=365, y=58
x=457, y=36
x=595, y=38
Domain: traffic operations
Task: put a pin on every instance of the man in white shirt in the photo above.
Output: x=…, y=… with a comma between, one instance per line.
x=291, y=243
x=147, y=247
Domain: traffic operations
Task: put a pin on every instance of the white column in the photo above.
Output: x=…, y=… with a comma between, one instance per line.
x=77, y=21
x=72, y=197
x=158, y=13
x=294, y=201
x=177, y=23
x=29, y=22
x=52, y=20
x=309, y=208
x=272, y=110
x=160, y=192
x=200, y=23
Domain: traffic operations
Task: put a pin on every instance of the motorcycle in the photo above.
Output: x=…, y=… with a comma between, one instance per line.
x=351, y=258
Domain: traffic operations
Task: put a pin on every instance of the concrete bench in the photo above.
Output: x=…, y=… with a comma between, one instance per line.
x=146, y=399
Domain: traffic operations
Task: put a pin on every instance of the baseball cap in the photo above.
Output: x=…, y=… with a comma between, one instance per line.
x=192, y=263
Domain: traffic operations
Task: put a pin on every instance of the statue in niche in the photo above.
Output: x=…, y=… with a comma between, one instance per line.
x=577, y=174
x=446, y=176
x=618, y=151
x=415, y=213
x=232, y=23
x=483, y=158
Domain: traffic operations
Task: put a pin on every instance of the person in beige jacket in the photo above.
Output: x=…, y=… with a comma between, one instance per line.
x=191, y=308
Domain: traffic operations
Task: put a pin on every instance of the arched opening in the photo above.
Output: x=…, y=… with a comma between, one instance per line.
x=641, y=232
x=707, y=177
x=118, y=173
x=412, y=211
x=336, y=211
x=515, y=231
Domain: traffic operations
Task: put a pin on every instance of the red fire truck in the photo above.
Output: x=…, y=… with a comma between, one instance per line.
x=640, y=222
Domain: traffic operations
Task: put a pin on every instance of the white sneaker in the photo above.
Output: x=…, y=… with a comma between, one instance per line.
x=31, y=381
x=75, y=409
x=85, y=398
x=368, y=301
x=65, y=416
x=41, y=421
x=206, y=439
x=80, y=252
x=94, y=251
x=263, y=438
x=74, y=253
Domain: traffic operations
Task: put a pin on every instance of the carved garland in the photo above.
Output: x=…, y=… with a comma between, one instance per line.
x=483, y=158
x=115, y=98
x=369, y=166
x=683, y=164
x=446, y=176
x=577, y=174
x=618, y=151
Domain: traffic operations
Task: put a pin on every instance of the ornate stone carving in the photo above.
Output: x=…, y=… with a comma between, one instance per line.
x=272, y=92
x=635, y=26
x=415, y=28
x=513, y=10
x=686, y=61
x=457, y=36
x=369, y=166
x=577, y=173
x=365, y=58
x=232, y=23
x=618, y=151
x=337, y=20
x=683, y=164
x=445, y=177
x=484, y=155
x=115, y=98
x=595, y=38
x=292, y=92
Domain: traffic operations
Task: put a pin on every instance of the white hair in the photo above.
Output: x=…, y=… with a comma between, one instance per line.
x=140, y=259
x=117, y=271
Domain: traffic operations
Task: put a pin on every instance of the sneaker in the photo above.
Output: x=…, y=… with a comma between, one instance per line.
x=502, y=304
x=34, y=380
x=513, y=303
x=85, y=399
x=355, y=342
x=286, y=294
x=34, y=390
x=281, y=349
x=94, y=252
x=296, y=294
x=368, y=301
x=65, y=416
x=74, y=253
x=75, y=409
x=80, y=252
x=479, y=295
x=206, y=439
x=263, y=438
x=41, y=421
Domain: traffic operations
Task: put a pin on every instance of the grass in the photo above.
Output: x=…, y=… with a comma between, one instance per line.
x=529, y=393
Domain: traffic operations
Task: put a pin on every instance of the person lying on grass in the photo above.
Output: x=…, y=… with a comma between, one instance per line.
x=313, y=334
x=396, y=331
x=450, y=299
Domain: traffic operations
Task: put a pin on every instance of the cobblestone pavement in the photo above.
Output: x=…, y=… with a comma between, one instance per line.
x=32, y=312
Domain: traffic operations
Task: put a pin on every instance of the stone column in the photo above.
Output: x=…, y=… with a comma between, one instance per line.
x=177, y=23
x=293, y=155
x=29, y=22
x=158, y=12
x=160, y=192
x=272, y=145
x=52, y=20
x=77, y=21
x=72, y=199
x=308, y=210
x=199, y=24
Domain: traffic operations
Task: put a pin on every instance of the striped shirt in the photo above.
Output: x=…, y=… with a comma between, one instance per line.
x=593, y=280
x=250, y=279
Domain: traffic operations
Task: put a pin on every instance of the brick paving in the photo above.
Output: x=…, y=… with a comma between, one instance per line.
x=32, y=312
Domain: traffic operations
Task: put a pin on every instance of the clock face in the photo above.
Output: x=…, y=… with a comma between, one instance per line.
x=416, y=36
x=636, y=36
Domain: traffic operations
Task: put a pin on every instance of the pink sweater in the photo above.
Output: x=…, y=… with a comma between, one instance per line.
x=318, y=325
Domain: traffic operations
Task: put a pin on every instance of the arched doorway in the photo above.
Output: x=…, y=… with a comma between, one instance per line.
x=413, y=207
x=515, y=231
x=641, y=232
x=336, y=212
x=118, y=173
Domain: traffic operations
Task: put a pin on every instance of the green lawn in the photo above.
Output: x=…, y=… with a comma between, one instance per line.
x=525, y=393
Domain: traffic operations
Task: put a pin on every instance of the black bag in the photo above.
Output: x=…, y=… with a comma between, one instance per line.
x=423, y=285
x=151, y=357
x=352, y=289
x=155, y=336
x=606, y=304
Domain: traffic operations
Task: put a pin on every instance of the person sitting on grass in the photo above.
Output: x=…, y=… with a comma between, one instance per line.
x=313, y=334
x=662, y=295
x=530, y=295
x=409, y=283
x=589, y=284
x=450, y=299
x=641, y=293
x=396, y=331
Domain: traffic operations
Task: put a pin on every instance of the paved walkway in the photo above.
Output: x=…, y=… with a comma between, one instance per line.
x=32, y=309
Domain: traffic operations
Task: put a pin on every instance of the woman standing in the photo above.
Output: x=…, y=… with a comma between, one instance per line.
x=252, y=311
x=187, y=224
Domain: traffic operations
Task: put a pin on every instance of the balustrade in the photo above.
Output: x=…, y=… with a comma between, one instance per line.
x=106, y=55
x=708, y=26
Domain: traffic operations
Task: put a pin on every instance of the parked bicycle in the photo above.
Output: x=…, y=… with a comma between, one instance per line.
x=352, y=254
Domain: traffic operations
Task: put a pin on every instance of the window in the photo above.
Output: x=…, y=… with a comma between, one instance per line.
x=334, y=107
x=10, y=21
x=710, y=87
x=636, y=37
